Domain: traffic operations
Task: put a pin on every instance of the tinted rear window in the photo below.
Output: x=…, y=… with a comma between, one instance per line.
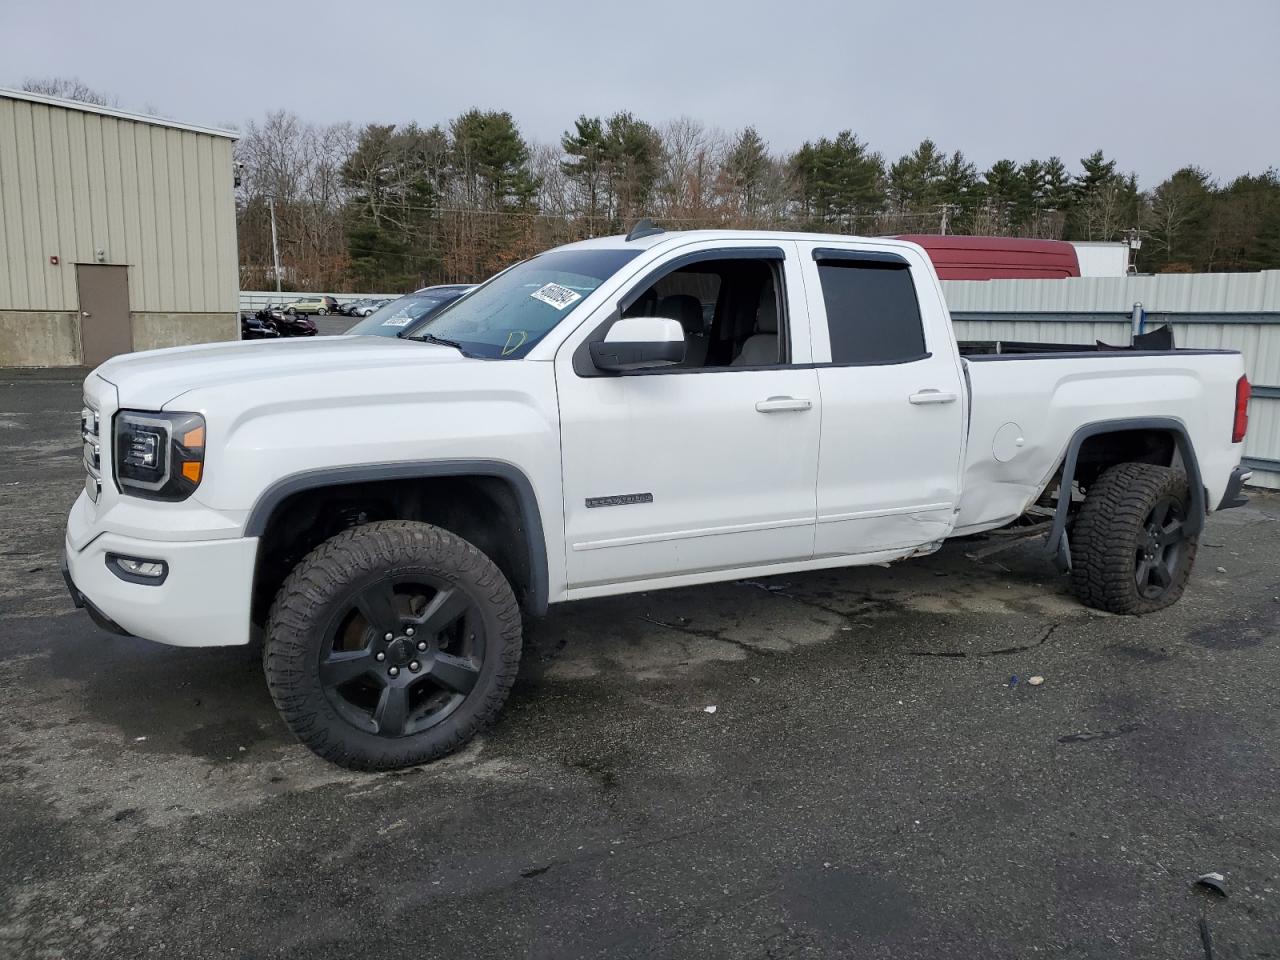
x=872, y=312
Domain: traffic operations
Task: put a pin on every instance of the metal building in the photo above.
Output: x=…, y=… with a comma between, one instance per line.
x=117, y=233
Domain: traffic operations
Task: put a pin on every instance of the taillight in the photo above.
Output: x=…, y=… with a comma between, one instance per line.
x=1241, y=423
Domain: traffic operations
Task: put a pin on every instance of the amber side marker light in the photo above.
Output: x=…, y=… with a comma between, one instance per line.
x=193, y=440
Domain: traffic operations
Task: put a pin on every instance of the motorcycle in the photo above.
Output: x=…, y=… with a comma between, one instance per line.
x=288, y=324
x=253, y=327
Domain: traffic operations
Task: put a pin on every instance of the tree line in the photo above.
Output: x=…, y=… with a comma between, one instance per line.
x=391, y=207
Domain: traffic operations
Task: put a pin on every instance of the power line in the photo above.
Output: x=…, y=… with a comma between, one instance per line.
x=576, y=217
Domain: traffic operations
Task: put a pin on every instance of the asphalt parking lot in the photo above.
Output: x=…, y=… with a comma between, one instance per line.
x=871, y=784
x=332, y=325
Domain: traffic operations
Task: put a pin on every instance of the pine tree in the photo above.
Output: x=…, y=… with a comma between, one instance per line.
x=587, y=166
x=838, y=181
x=1179, y=208
x=491, y=160
x=634, y=152
x=746, y=171
x=394, y=178
x=916, y=180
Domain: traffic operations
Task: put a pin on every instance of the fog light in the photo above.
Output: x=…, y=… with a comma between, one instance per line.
x=138, y=569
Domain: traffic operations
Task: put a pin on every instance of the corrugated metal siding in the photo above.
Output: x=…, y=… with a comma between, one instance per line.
x=156, y=198
x=1172, y=292
x=1219, y=311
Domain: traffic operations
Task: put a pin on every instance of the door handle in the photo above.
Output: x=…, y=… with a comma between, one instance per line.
x=932, y=396
x=783, y=404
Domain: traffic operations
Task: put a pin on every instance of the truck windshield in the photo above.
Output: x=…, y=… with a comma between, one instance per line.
x=394, y=318
x=507, y=316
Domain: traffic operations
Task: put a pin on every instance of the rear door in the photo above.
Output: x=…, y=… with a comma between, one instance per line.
x=893, y=399
x=702, y=467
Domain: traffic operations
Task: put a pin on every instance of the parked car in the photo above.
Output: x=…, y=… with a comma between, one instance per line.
x=400, y=318
x=253, y=327
x=368, y=307
x=347, y=306
x=309, y=305
x=384, y=509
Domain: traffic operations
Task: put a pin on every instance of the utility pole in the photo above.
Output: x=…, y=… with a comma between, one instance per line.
x=947, y=210
x=275, y=243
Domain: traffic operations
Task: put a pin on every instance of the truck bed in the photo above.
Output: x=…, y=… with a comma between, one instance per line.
x=1025, y=405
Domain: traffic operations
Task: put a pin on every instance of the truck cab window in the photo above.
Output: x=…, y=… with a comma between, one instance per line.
x=872, y=312
x=729, y=309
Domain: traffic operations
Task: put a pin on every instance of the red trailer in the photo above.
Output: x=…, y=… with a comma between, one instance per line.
x=998, y=258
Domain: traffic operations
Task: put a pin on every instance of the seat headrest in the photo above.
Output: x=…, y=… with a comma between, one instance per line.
x=686, y=309
x=767, y=312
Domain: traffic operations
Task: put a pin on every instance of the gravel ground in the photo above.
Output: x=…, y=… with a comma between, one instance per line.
x=871, y=784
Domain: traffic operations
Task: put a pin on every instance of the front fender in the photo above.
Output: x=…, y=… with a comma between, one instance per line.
x=530, y=514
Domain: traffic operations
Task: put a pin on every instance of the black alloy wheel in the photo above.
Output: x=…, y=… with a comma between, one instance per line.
x=403, y=654
x=1160, y=548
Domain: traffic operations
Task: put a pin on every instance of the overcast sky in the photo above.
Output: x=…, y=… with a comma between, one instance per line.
x=1155, y=84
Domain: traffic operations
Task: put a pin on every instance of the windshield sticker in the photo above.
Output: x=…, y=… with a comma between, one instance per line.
x=556, y=295
x=400, y=321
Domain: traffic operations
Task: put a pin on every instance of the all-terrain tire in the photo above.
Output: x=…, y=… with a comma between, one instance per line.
x=1110, y=535
x=314, y=594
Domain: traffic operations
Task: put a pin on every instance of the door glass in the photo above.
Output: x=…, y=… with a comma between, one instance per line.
x=872, y=313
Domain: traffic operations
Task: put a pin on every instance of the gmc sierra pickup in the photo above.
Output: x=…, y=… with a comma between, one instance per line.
x=621, y=414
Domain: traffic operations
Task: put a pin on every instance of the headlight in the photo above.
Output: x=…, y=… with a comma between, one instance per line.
x=159, y=455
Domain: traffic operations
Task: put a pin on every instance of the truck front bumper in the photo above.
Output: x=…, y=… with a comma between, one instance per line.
x=202, y=600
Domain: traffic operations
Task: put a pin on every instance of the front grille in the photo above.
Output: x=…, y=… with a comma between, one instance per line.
x=90, y=437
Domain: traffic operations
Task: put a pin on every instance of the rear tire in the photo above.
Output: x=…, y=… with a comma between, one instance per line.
x=1129, y=549
x=367, y=702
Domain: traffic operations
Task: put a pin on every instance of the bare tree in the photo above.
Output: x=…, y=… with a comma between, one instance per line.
x=69, y=88
x=691, y=160
x=295, y=167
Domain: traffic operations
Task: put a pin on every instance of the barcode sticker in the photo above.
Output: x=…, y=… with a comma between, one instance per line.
x=556, y=295
x=400, y=321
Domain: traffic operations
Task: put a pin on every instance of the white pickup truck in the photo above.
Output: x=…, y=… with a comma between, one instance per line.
x=621, y=414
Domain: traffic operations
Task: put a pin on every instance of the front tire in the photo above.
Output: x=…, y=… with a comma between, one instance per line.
x=391, y=644
x=1129, y=549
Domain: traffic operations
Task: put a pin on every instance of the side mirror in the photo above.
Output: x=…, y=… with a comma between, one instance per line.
x=639, y=343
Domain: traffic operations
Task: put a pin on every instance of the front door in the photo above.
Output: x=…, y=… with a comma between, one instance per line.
x=104, y=311
x=708, y=465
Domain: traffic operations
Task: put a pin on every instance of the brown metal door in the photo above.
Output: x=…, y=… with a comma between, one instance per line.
x=104, y=311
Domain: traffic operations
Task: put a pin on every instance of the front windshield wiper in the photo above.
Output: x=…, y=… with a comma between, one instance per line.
x=444, y=342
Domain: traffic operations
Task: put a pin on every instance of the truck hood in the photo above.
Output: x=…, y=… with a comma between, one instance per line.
x=154, y=378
